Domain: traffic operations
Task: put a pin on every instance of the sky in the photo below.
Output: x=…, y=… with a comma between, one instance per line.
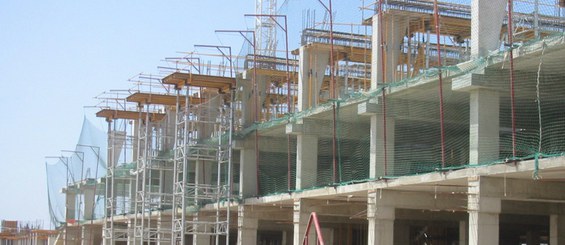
x=56, y=55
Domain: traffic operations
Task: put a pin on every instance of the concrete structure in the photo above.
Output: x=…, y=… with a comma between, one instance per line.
x=378, y=167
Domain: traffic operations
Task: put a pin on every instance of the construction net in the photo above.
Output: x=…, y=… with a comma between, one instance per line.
x=74, y=176
x=440, y=107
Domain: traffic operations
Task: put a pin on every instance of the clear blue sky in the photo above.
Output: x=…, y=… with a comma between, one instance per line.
x=55, y=56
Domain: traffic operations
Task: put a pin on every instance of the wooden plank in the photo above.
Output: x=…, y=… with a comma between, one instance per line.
x=161, y=99
x=180, y=79
x=111, y=114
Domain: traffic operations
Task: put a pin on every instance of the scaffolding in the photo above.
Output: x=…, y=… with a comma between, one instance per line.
x=136, y=143
x=202, y=156
x=153, y=188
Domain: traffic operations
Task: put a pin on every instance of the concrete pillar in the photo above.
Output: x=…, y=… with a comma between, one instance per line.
x=306, y=161
x=201, y=239
x=131, y=195
x=247, y=169
x=486, y=23
x=301, y=215
x=246, y=87
x=70, y=204
x=164, y=225
x=203, y=172
x=557, y=229
x=380, y=215
x=89, y=199
x=247, y=225
x=394, y=37
x=483, y=212
x=462, y=233
x=312, y=68
x=484, y=126
x=376, y=54
x=394, y=30
x=91, y=234
x=377, y=134
x=208, y=112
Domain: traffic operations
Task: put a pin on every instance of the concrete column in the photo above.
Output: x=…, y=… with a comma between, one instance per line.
x=306, y=161
x=203, y=172
x=394, y=37
x=312, y=68
x=484, y=126
x=201, y=239
x=247, y=169
x=483, y=212
x=462, y=233
x=131, y=194
x=246, y=87
x=376, y=54
x=91, y=234
x=247, y=225
x=208, y=112
x=89, y=196
x=301, y=215
x=377, y=134
x=380, y=215
x=70, y=204
x=486, y=23
x=557, y=229
x=164, y=225
x=394, y=29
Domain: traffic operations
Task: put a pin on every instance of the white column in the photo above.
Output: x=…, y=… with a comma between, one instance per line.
x=483, y=212
x=247, y=101
x=203, y=172
x=311, y=72
x=484, y=126
x=201, y=239
x=247, y=226
x=377, y=142
x=301, y=215
x=486, y=23
x=381, y=220
x=247, y=169
x=394, y=36
x=462, y=233
x=376, y=53
x=70, y=204
x=89, y=195
x=164, y=225
x=306, y=161
x=556, y=229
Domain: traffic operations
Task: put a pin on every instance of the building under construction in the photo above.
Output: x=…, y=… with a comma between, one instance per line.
x=418, y=122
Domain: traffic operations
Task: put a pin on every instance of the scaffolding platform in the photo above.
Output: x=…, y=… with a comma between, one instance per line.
x=180, y=79
x=161, y=99
x=111, y=114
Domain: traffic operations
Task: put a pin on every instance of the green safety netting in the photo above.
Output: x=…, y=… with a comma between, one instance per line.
x=413, y=111
x=83, y=166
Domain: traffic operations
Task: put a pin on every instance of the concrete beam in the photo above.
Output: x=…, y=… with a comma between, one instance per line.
x=421, y=200
x=324, y=128
x=520, y=189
